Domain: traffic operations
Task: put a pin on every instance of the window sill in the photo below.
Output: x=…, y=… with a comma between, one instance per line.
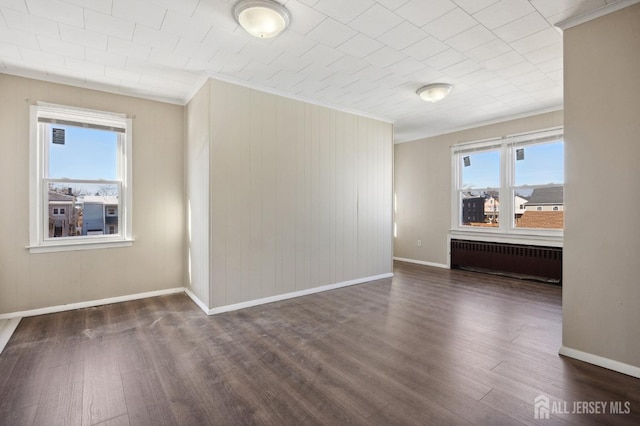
x=522, y=237
x=76, y=245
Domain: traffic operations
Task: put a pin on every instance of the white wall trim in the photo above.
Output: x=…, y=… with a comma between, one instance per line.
x=197, y=301
x=610, y=364
x=594, y=14
x=90, y=303
x=422, y=262
x=285, y=296
x=7, y=327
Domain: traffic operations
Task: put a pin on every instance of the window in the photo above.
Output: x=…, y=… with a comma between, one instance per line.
x=80, y=159
x=511, y=185
x=479, y=189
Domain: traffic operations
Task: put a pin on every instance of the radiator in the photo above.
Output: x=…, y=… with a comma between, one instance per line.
x=523, y=261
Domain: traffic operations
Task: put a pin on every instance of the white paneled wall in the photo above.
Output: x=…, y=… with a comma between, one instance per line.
x=197, y=167
x=300, y=196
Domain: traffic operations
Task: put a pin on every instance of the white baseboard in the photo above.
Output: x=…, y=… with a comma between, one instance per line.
x=89, y=304
x=279, y=297
x=7, y=327
x=610, y=364
x=197, y=301
x=421, y=262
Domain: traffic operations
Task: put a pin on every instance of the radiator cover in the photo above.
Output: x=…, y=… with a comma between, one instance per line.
x=523, y=261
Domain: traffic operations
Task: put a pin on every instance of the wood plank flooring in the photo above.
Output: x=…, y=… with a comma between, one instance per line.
x=428, y=347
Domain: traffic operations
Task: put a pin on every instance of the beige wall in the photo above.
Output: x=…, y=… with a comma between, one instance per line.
x=601, y=291
x=299, y=196
x=154, y=262
x=422, y=176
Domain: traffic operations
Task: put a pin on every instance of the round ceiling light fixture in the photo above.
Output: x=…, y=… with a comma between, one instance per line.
x=434, y=92
x=261, y=18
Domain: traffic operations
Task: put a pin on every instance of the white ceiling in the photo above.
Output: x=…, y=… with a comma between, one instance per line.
x=504, y=57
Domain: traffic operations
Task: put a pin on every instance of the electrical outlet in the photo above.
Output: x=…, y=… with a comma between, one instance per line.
x=419, y=243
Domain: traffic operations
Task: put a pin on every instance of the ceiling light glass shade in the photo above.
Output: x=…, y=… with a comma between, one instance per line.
x=261, y=18
x=434, y=92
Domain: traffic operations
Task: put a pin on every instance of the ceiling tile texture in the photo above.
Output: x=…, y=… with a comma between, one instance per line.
x=503, y=57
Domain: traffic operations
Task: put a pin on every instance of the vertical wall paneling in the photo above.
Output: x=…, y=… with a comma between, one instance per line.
x=269, y=195
x=350, y=196
x=237, y=190
x=219, y=191
x=325, y=193
x=338, y=199
x=256, y=207
x=362, y=200
x=314, y=194
x=197, y=153
x=302, y=223
x=300, y=196
x=286, y=195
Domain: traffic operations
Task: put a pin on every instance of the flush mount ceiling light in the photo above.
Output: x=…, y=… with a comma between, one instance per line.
x=261, y=18
x=434, y=92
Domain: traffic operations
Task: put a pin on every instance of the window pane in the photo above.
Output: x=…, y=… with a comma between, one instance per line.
x=82, y=153
x=481, y=208
x=539, y=164
x=83, y=209
x=539, y=208
x=480, y=170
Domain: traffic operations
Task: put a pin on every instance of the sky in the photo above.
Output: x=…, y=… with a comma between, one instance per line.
x=86, y=154
x=542, y=164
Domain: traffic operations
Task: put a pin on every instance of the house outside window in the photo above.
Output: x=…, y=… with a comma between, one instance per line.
x=515, y=183
x=78, y=155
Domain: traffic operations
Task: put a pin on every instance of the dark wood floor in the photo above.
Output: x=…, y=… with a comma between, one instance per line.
x=429, y=346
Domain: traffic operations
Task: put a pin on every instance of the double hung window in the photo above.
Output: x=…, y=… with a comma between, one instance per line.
x=80, y=179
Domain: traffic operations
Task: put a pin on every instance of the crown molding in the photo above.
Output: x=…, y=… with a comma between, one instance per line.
x=594, y=14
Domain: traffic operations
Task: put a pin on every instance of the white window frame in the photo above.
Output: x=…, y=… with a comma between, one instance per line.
x=506, y=231
x=39, y=242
